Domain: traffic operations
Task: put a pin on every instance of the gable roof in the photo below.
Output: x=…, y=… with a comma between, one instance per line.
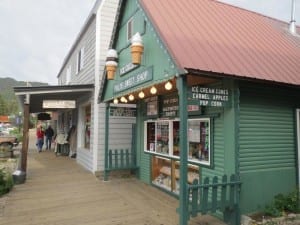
x=210, y=36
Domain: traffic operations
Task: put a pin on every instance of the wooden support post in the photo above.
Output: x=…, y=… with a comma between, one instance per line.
x=25, y=139
x=183, y=115
x=106, y=171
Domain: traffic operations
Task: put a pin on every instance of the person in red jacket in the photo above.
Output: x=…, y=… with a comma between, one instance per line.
x=40, y=138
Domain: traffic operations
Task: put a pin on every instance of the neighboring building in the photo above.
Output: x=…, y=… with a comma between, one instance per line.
x=79, y=81
x=84, y=64
x=241, y=72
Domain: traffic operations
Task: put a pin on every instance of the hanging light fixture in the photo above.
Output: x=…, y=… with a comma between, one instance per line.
x=131, y=97
x=141, y=94
x=153, y=90
x=123, y=99
x=168, y=86
x=116, y=101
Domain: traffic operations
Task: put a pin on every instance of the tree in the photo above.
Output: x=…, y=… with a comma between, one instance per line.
x=3, y=106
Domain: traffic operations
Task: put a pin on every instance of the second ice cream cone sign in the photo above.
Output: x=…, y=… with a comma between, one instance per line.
x=111, y=63
x=137, y=48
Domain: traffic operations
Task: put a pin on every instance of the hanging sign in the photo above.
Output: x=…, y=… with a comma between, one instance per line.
x=134, y=80
x=122, y=111
x=169, y=105
x=206, y=96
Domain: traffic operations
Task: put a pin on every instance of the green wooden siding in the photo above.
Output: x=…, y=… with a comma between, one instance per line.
x=154, y=53
x=267, y=148
x=218, y=146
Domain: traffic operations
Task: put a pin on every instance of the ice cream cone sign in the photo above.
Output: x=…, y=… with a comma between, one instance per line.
x=137, y=48
x=111, y=63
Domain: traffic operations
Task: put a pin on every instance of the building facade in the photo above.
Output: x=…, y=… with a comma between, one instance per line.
x=211, y=99
x=84, y=64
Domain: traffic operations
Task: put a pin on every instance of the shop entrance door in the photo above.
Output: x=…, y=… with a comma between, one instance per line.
x=298, y=144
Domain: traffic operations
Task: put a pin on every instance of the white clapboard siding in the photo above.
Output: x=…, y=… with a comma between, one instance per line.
x=86, y=75
x=84, y=158
x=120, y=137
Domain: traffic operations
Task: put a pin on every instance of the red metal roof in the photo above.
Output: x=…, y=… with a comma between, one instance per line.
x=207, y=35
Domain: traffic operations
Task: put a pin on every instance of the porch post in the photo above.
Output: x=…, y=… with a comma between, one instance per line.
x=25, y=138
x=183, y=195
x=106, y=138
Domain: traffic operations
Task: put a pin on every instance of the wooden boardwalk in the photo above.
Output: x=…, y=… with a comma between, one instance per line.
x=58, y=191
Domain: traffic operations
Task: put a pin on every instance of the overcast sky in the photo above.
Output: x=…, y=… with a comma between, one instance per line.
x=36, y=35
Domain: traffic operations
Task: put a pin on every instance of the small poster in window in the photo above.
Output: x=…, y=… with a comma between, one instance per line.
x=152, y=106
x=151, y=147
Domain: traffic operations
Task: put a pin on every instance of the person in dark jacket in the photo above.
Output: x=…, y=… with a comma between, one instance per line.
x=49, y=133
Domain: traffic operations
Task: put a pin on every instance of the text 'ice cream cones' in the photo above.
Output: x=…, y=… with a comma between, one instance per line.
x=137, y=48
x=111, y=63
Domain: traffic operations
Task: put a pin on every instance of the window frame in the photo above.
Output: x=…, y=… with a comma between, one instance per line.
x=80, y=60
x=129, y=29
x=170, y=154
x=209, y=133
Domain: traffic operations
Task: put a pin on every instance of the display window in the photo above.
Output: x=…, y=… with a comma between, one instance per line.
x=166, y=173
x=162, y=138
x=199, y=141
x=87, y=127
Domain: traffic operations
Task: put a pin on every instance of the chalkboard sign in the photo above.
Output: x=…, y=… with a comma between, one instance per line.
x=169, y=105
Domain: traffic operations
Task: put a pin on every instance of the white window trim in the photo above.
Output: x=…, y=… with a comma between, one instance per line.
x=80, y=60
x=170, y=154
x=129, y=24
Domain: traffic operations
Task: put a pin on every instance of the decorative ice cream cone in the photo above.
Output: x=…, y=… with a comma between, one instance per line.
x=111, y=68
x=136, y=53
x=137, y=48
x=111, y=63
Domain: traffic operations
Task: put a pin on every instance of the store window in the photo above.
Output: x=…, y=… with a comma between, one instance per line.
x=199, y=141
x=166, y=173
x=162, y=138
x=87, y=127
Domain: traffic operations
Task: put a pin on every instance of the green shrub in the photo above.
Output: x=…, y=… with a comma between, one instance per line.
x=284, y=203
x=6, y=182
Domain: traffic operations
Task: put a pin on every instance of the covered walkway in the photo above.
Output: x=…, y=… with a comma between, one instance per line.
x=58, y=191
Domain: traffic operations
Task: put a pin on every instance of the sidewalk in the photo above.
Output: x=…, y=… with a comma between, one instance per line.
x=58, y=191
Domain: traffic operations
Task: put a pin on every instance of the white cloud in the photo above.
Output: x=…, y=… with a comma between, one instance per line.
x=36, y=35
x=279, y=9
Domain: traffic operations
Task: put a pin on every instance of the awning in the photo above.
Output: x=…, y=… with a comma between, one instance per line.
x=36, y=95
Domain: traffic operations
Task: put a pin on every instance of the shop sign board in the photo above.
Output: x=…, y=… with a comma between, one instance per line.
x=206, y=96
x=59, y=104
x=170, y=105
x=134, y=80
x=122, y=111
x=127, y=68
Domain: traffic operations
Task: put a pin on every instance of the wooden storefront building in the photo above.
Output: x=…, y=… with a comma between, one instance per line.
x=217, y=92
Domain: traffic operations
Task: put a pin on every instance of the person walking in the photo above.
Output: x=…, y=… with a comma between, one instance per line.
x=49, y=133
x=40, y=138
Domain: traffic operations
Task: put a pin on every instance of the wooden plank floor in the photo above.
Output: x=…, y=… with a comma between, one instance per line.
x=58, y=191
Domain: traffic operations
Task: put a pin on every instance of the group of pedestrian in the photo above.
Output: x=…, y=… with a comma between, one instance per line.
x=42, y=134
